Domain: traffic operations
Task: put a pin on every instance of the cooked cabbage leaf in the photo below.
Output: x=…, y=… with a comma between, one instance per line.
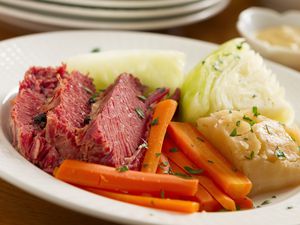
x=233, y=77
x=155, y=68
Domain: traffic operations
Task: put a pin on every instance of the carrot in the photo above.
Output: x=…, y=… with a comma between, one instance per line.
x=207, y=202
x=162, y=116
x=158, y=203
x=244, y=203
x=109, y=178
x=205, y=156
x=164, y=166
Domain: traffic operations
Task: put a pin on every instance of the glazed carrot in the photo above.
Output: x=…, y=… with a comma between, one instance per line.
x=185, y=164
x=162, y=116
x=163, y=166
x=244, y=203
x=205, y=156
x=207, y=202
x=109, y=178
x=158, y=203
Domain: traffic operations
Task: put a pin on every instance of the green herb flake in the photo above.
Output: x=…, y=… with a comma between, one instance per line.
x=193, y=171
x=251, y=156
x=140, y=113
x=249, y=120
x=157, y=154
x=238, y=208
x=182, y=175
x=173, y=149
x=94, y=50
x=255, y=111
x=203, y=62
x=233, y=133
x=266, y=202
x=122, y=169
x=142, y=97
x=154, y=122
x=144, y=145
x=279, y=154
x=145, y=165
x=210, y=161
x=238, y=123
x=289, y=207
x=254, y=96
x=240, y=45
x=162, y=194
x=245, y=139
x=230, y=111
x=274, y=196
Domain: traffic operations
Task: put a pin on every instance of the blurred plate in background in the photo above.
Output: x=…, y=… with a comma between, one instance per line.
x=44, y=15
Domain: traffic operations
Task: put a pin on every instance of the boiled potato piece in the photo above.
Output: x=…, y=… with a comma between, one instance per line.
x=260, y=147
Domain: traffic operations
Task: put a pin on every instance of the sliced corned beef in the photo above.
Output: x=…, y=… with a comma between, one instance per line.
x=38, y=84
x=117, y=124
x=67, y=111
x=50, y=106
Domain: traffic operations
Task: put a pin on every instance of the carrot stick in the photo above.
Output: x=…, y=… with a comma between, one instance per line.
x=205, y=156
x=244, y=203
x=162, y=116
x=184, y=163
x=164, y=166
x=207, y=202
x=109, y=178
x=158, y=203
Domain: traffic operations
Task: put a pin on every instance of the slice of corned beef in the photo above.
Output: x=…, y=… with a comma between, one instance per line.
x=28, y=137
x=119, y=122
x=50, y=106
x=67, y=111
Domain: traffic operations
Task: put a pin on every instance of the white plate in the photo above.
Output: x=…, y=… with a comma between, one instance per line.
x=134, y=14
x=16, y=55
x=21, y=17
x=123, y=3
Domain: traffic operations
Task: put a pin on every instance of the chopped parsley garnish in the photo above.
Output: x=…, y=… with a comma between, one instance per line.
x=154, y=122
x=140, y=113
x=233, y=133
x=173, y=149
x=245, y=139
x=238, y=208
x=266, y=202
x=203, y=62
x=88, y=90
x=145, y=165
x=289, y=207
x=165, y=163
x=210, y=161
x=122, y=169
x=182, y=175
x=279, y=154
x=255, y=111
x=230, y=111
x=193, y=171
x=240, y=46
x=249, y=120
x=238, y=123
x=200, y=139
x=162, y=194
x=94, y=50
x=142, y=97
x=157, y=154
x=274, y=196
x=251, y=156
x=267, y=129
x=91, y=100
x=254, y=96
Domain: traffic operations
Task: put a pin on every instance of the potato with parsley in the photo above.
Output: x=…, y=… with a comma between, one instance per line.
x=260, y=147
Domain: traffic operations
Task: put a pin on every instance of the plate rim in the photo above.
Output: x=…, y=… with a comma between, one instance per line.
x=118, y=218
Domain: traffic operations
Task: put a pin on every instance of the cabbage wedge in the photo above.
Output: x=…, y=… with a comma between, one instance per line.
x=233, y=77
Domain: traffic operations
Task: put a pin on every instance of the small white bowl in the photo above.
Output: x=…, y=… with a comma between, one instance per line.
x=254, y=19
